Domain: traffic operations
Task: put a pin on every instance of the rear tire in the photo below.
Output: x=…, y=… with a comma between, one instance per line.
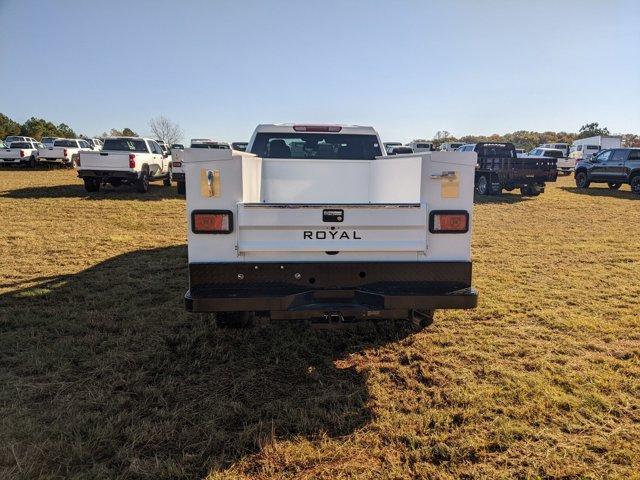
x=614, y=186
x=182, y=188
x=234, y=319
x=167, y=181
x=91, y=185
x=635, y=184
x=32, y=162
x=483, y=185
x=582, y=180
x=142, y=184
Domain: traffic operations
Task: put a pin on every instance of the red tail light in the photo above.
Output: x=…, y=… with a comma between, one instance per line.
x=132, y=160
x=22, y=153
x=64, y=153
x=317, y=128
x=449, y=221
x=211, y=221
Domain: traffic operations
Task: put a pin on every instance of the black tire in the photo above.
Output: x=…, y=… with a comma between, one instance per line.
x=614, y=186
x=483, y=185
x=635, y=184
x=142, y=184
x=525, y=191
x=115, y=182
x=91, y=185
x=32, y=162
x=582, y=180
x=234, y=319
x=182, y=188
x=167, y=181
x=422, y=318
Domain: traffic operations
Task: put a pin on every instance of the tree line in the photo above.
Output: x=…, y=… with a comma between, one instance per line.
x=528, y=139
x=38, y=128
x=170, y=132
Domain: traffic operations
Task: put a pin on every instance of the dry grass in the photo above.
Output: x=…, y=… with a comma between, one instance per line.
x=103, y=374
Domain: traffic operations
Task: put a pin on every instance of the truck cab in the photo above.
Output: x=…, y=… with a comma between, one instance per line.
x=451, y=146
x=316, y=222
x=240, y=146
x=419, y=146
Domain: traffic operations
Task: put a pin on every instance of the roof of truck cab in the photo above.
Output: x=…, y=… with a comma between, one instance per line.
x=288, y=128
x=128, y=138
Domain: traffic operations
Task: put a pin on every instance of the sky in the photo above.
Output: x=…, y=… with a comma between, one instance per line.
x=408, y=68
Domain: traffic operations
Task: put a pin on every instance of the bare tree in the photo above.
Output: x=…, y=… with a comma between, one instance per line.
x=165, y=130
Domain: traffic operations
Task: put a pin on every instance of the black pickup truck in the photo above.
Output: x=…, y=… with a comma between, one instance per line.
x=613, y=167
x=500, y=168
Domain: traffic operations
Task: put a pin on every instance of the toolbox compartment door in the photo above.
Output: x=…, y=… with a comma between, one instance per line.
x=331, y=228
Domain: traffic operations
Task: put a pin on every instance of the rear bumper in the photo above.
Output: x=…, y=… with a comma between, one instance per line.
x=177, y=176
x=105, y=174
x=52, y=159
x=329, y=286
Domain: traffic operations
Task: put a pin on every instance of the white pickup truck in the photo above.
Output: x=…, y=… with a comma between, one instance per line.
x=124, y=160
x=20, y=153
x=64, y=150
x=316, y=222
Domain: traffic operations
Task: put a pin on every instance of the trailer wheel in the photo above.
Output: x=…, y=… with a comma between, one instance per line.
x=142, y=185
x=614, y=186
x=582, y=180
x=234, y=319
x=422, y=318
x=91, y=185
x=182, y=188
x=483, y=187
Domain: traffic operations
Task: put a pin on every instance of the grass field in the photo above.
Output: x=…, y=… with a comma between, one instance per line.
x=104, y=375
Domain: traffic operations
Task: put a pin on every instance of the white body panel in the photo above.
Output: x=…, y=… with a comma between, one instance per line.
x=386, y=201
x=603, y=141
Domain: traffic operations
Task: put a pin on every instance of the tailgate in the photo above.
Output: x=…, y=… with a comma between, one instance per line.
x=104, y=161
x=322, y=228
x=51, y=152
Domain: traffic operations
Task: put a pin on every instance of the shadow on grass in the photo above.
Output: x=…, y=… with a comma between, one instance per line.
x=103, y=374
x=124, y=192
x=602, y=192
x=503, y=198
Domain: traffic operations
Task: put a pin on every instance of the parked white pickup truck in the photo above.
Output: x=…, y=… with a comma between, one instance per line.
x=20, y=153
x=316, y=222
x=64, y=150
x=124, y=160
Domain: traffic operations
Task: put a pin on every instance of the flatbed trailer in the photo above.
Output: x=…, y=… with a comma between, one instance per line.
x=499, y=168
